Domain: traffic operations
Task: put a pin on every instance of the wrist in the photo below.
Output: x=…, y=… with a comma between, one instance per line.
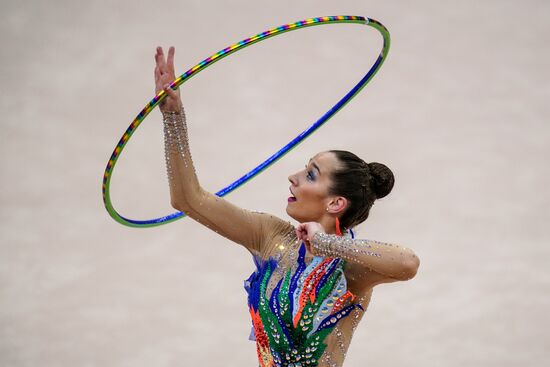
x=175, y=132
x=172, y=110
x=322, y=244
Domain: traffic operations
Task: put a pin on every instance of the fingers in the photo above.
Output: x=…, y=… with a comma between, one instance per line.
x=158, y=57
x=165, y=65
x=172, y=98
x=298, y=233
x=170, y=60
x=160, y=64
x=170, y=91
x=157, y=75
x=301, y=231
x=158, y=71
x=164, y=76
x=164, y=69
x=306, y=231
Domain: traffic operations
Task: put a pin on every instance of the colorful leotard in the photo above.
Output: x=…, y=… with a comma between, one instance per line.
x=291, y=322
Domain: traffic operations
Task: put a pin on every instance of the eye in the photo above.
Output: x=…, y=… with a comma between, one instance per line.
x=310, y=175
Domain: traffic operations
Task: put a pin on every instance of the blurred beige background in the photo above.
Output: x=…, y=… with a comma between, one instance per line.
x=458, y=111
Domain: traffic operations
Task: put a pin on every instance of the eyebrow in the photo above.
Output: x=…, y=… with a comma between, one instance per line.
x=315, y=165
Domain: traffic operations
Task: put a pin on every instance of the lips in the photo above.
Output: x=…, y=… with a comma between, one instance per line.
x=292, y=198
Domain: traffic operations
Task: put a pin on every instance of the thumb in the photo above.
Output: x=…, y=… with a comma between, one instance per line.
x=169, y=91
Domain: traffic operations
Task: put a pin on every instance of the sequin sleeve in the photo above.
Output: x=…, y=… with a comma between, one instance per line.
x=248, y=228
x=390, y=260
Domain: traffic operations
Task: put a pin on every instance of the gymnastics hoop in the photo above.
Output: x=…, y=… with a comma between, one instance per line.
x=213, y=59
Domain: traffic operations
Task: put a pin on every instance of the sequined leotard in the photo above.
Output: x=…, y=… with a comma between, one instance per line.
x=298, y=305
x=304, y=308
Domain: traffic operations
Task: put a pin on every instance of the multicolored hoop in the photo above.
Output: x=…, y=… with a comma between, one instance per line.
x=211, y=60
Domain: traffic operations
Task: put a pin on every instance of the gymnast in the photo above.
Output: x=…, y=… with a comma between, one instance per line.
x=312, y=282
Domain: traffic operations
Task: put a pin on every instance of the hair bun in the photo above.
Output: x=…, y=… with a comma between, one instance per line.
x=382, y=179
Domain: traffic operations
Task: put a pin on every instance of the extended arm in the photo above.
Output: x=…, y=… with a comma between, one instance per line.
x=391, y=260
x=239, y=225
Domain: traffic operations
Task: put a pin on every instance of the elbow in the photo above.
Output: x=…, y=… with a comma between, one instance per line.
x=176, y=205
x=180, y=206
x=187, y=203
x=410, y=268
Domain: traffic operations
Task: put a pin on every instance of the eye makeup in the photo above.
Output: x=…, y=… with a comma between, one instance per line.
x=310, y=175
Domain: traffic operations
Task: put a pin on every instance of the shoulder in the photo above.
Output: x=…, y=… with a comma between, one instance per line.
x=273, y=226
x=273, y=229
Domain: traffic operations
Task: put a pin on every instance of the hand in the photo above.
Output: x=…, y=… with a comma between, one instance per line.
x=306, y=231
x=164, y=75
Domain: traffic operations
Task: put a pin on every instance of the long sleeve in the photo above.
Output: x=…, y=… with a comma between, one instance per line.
x=248, y=228
x=387, y=259
x=182, y=178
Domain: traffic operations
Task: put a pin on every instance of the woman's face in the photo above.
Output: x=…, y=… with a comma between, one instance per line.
x=309, y=188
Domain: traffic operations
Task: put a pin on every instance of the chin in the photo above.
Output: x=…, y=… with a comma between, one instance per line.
x=296, y=217
x=291, y=214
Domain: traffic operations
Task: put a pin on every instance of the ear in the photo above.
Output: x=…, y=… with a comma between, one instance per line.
x=337, y=205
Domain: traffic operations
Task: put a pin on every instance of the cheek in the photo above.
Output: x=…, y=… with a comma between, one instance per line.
x=313, y=195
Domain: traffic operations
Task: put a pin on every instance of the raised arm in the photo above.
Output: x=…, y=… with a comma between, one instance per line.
x=389, y=260
x=242, y=226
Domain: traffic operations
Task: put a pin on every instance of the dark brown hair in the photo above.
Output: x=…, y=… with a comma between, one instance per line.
x=361, y=184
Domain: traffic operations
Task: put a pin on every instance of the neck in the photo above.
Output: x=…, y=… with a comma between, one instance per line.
x=329, y=224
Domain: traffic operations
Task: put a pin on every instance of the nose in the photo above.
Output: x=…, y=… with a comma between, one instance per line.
x=292, y=179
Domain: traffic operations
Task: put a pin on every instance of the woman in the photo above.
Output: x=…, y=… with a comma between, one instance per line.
x=312, y=283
